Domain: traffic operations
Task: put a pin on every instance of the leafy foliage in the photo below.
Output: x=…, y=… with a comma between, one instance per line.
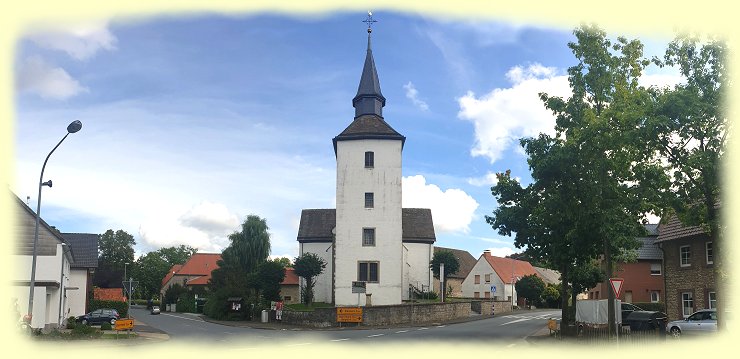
x=308, y=266
x=452, y=265
x=150, y=268
x=530, y=287
x=114, y=250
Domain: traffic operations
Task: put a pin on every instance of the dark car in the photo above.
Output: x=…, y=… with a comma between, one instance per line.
x=99, y=316
x=645, y=320
x=628, y=308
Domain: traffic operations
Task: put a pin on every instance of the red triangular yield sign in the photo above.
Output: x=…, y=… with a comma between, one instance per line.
x=616, y=286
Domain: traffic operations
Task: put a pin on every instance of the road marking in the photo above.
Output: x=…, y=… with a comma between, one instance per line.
x=422, y=328
x=515, y=321
x=177, y=316
x=441, y=326
x=401, y=331
x=339, y=340
x=375, y=335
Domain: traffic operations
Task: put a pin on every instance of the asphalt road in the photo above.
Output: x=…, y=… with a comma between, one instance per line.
x=504, y=329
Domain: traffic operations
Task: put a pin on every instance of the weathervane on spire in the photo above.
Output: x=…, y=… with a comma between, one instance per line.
x=369, y=21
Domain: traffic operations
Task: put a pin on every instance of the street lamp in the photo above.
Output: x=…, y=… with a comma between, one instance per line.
x=61, y=286
x=73, y=127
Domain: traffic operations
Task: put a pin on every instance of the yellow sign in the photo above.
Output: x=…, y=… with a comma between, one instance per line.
x=349, y=315
x=552, y=324
x=124, y=324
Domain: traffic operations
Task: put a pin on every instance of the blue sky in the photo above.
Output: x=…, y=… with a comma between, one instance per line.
x=191, y=123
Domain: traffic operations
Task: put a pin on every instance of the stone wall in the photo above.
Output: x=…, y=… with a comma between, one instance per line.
x=399, y=314
x=698, y=278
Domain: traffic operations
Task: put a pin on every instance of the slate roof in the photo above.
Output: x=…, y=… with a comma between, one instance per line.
x=549, y=276
x=674, y=229
x=84, y=249
x=466, y=260
x=316, y=225
x=648, y=249
x=368, y=127
x=504, y=267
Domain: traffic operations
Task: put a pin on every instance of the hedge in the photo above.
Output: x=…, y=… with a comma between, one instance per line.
x=660, y=307
x=121, y=307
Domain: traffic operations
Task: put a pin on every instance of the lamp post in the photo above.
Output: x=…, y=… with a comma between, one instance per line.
x=73, y=127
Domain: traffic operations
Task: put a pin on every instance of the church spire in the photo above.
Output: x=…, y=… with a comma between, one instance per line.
x=369, y=100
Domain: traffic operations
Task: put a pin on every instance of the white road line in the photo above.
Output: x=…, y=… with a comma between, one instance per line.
x=375, y=335
x=422, y=328
x=515, y=321
x=339, y=340
x=441, y=326
x=177, y=316
x=401, y=331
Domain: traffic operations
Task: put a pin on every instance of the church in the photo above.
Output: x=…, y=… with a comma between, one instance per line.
x=369, y=237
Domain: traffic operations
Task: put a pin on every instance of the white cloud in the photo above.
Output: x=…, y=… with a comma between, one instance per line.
x=38, y=77
x=452, y=209
x=661, y=80
x=413, y=95
x=211, y=218
x=488, y=180
x=81, y=42
x=504, y=115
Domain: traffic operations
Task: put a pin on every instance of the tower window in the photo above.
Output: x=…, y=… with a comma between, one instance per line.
x=369, y=200
x=369, y=159
x=368, y=237
x=367, y=271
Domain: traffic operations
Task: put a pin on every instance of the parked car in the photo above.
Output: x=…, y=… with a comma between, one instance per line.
x=155, y=309
x=628, y=308
x=700, y=322
x=644, y=320
x=99, y=316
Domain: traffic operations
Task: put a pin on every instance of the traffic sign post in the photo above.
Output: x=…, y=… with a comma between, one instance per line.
x=616, y=286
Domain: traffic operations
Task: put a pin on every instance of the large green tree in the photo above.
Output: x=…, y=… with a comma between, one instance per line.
x=308, y=266
x=531, y=288
x=114, y=250
x=451, y=264
x=150, y=268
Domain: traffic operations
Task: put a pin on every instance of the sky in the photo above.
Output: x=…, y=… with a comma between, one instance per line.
x=191, y=123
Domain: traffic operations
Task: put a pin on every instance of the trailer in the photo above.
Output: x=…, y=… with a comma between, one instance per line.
x=594, y=312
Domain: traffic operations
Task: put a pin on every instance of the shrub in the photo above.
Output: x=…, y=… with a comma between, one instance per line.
x=429, y=295
x=85, y=331
x=106, y=326
x=71, y=322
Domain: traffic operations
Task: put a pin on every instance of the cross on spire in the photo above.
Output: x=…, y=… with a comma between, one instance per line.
x=369, y=21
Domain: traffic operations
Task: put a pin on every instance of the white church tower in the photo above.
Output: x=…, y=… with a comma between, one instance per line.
x=369, y=237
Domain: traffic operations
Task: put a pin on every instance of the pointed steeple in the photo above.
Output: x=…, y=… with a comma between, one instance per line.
x=369, y=100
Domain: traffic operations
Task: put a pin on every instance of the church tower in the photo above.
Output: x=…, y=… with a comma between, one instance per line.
x=368, y=242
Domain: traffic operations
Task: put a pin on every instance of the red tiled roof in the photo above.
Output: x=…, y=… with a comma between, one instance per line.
x=200, y=264
x=202, y=280
x=290, y=277
x=171, y=273
x=115, y=294
x=503, y=267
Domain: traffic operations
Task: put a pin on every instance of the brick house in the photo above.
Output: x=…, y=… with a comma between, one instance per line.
x=688, y=266
x=466, y=261
x=643, y=279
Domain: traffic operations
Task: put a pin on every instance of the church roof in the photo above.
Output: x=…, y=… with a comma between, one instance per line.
x=369, y=99
x=368, y=127
x=317, y=224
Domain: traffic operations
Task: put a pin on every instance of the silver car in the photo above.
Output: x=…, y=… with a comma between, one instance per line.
x=701, y=322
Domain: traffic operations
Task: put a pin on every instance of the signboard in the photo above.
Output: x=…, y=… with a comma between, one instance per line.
x=349, y=315
x=358, y=287
x=616, y=286
x=493, y=289
x=124, y=324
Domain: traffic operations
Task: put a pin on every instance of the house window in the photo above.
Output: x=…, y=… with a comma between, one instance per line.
x=488, y=278
x=712, y=300
x=655, y=296
x=710, y=257
x=487, y=295
x=655, y=269
x=369, y=200
x=685, y=256
x=477, y=279
x=367, y=271
x=687, y=303
x=368, y=237
x=476, y=294
x=369, y=159
x=287, y=298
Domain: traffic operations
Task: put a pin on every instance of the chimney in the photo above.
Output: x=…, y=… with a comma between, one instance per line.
x=487, y=252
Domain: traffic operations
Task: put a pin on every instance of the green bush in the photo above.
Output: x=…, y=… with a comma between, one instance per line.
x=106, y=326
x=428, y=295
x=71, y=322
x=121, y=307
x=651, y=306
x=85, y=331
x=186, y=303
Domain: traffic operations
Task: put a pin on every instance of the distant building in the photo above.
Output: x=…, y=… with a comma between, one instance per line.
x=195, y=272
x=688, y=267
x=547, y=275
x=454, y=281
x=289, y=291
x=494, y=277
x=85, y=249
